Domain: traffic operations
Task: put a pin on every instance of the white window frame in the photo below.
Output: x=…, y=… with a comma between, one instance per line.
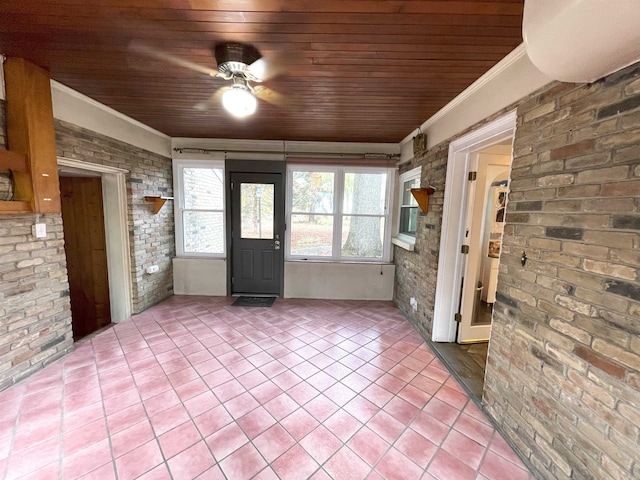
x=404, y=240
x=339, y=172
x=178, y=207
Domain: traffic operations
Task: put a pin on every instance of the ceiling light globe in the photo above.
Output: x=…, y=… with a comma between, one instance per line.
x=239, y=102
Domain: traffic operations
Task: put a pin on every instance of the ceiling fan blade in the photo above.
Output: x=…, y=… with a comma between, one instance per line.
x=259, y=70
x=203, y=106
x=145, y=49
x=214, y=101
x=269, y=95
x=273, y=64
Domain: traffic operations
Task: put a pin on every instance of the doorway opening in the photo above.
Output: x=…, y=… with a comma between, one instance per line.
x=86, y=252
x=94, y=220
x=256, y=227
x=487, y=196
x=257, y=207
x=473, y=220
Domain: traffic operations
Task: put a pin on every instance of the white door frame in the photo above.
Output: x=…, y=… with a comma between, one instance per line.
x=114, y=194
x=450, y=260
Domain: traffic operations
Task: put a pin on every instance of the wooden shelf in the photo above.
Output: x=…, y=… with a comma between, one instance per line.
x=17, y=164
x=422, y=197
x=158, y=202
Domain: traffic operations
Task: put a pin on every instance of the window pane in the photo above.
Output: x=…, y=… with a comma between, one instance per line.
x=256, y=210
x=203, y=232
x=203, y=188
x=407, y=198
x=362, y=236
x=408, y=220
x=311, y=235
x=312, y=192
x=364, y=193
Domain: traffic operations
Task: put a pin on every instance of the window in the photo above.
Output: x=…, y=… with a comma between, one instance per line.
x=257, y=210
x=338, y=213
x=199, y=208
x=408, y=215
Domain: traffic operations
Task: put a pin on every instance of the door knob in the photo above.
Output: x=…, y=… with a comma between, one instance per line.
x=276, y=245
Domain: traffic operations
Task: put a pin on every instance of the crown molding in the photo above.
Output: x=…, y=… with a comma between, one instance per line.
x=498, y=69
x=55, y=85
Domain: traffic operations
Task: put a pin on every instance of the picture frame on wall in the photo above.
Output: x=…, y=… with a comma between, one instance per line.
x=494, y=248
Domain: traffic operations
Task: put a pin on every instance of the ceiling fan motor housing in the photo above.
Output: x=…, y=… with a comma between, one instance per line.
x=233, y=58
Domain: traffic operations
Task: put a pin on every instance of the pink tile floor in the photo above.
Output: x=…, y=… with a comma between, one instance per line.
x=195, y=388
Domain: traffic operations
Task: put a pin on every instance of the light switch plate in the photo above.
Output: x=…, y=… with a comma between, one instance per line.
x=40, y=230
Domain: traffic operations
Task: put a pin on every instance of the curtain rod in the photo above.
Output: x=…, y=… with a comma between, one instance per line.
x=365, y=156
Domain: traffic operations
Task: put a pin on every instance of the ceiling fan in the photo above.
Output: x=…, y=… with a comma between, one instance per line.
x=239, y=63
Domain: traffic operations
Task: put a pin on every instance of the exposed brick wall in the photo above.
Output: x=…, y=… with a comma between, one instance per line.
x=563, y=375
x=415, y=270
x=35, y=315
x=151, y=236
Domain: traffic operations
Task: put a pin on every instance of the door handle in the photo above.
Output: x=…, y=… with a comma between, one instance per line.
x=276, y=245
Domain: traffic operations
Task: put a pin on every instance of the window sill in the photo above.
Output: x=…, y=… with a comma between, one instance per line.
x=201, y=256
x=404, y=242
x=343, y=262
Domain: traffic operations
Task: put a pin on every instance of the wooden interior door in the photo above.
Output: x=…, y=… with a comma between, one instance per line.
x=85, y=247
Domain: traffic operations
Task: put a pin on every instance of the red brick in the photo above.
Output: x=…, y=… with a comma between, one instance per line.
x=573, y=150
x=599, y=361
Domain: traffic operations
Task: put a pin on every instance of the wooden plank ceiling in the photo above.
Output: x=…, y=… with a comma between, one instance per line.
x=352, y=70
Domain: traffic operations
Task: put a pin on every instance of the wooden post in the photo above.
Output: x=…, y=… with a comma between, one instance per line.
x=30, y=132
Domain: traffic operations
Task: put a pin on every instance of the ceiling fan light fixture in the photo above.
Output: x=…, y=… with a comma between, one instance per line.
x=239, y=101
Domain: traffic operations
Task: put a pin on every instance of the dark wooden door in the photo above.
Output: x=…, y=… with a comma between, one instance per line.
x=85, y=247
x=257, y=211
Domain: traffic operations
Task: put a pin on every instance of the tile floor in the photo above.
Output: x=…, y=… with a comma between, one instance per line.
x=195, y=388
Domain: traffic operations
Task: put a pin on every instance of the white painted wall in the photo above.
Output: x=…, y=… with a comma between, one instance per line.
x=200, y=276
x=346, y=281
x=78, y=109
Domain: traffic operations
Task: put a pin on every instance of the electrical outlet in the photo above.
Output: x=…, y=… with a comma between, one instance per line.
x=153, y=269
x=414, y=304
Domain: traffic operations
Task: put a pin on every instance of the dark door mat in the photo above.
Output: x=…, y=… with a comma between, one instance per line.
x=253, y=302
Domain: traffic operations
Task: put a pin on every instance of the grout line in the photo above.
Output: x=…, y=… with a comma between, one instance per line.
x=235, y=331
